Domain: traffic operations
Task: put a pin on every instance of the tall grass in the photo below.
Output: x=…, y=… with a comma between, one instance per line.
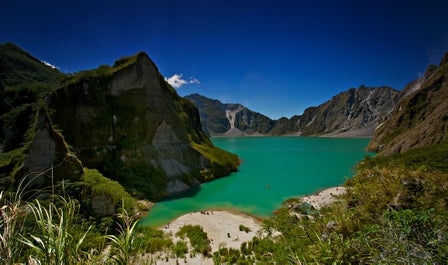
x=55, y=239
x=11, y=224
x=12, y=218
x=125, y=245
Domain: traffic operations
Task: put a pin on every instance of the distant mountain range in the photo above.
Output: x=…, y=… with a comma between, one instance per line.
x=353, y=113
x=396, y=120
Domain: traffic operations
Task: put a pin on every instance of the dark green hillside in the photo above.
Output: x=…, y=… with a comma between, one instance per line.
x=18, y=67
x=24, y=80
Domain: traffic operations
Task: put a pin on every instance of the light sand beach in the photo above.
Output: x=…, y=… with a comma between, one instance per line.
x=222, y=227
x=324, y=197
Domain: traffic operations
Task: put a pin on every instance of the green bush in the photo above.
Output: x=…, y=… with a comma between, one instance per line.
x=102, y=185
x=244, y=228
x=198, y=238
x=180, y=249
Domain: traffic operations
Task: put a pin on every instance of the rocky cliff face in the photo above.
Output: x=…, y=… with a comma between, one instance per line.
x=353, y=113
x=129, y=123
x=220, y=119
x=421, y=116
x=48, y=159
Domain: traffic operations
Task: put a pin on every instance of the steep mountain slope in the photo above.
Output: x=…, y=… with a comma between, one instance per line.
x=124, y=120
x=353, y=113
x=130, y=124
x=23, y=81
x=19, y=67
x=220, y=119
x=421, y=116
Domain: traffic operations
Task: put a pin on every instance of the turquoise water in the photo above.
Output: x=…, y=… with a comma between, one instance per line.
x=273, y=169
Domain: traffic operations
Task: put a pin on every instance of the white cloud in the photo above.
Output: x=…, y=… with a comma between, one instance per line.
x=177, y=81
x=49, y=64
x=194, y=81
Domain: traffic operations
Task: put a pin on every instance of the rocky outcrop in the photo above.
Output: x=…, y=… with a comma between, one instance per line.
x=421, y=116
x=130, y=124
x=48, y=159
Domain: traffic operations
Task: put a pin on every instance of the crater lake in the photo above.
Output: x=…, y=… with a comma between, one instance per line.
x=272, y=170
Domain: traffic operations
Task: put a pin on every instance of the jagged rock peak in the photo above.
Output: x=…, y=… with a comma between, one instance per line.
x=352, y=113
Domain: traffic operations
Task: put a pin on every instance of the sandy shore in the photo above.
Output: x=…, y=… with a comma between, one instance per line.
x=324, y=197
x=222, y=227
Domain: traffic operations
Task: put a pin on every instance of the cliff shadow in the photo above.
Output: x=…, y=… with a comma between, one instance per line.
x=183, y=194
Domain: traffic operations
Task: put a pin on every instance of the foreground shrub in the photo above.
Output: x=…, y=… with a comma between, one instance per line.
x=124, y=246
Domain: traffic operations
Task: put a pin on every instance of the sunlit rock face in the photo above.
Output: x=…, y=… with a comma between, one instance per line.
x=130, y=124
x=353, y=113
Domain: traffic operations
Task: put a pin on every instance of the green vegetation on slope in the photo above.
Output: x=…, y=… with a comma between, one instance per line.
x=24, y=81
x=221, y=161
x=101, y=185
x=395, y=212
x=420, y=118
x=17, y=67
x=102, y=72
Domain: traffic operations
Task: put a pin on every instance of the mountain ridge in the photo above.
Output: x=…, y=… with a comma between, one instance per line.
x=352, y=113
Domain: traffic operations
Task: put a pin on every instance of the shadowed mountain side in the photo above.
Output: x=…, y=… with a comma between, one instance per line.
x=421, y=116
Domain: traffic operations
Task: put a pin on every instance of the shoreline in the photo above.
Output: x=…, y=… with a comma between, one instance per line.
x=229, y=227
x=317, y=199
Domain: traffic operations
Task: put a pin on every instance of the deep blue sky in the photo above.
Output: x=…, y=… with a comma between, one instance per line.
x=276, y=57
